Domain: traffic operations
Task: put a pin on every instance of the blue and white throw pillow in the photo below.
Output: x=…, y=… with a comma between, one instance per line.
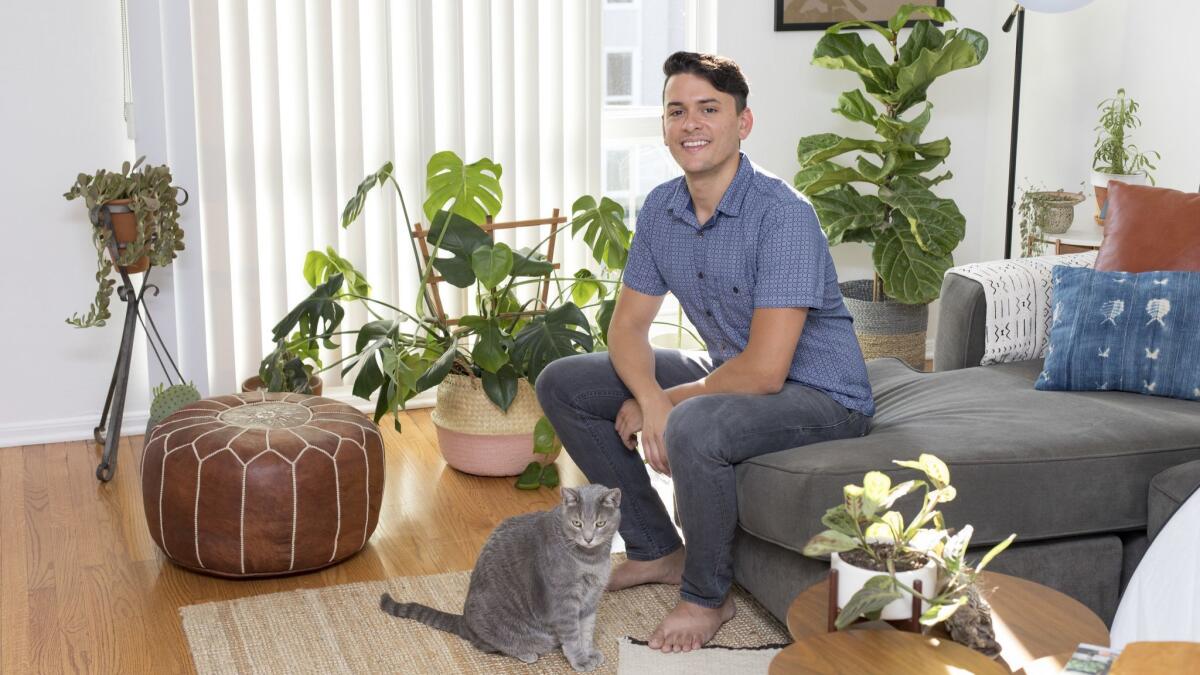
x=1124, y=331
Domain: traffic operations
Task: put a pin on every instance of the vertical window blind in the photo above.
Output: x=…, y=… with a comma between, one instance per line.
x=296, y=102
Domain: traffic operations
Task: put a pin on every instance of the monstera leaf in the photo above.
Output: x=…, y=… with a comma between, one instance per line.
x=910, y=274
x=501, y=386
x=471, y=190
x=604, y=229
x=455, y=234
x=318, y=315
x=355, y=205
x=528, y=263
x=492, y=263
x=562, y=331
x=318, y=267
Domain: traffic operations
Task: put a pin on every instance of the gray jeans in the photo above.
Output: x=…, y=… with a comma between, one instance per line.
x=706, y=437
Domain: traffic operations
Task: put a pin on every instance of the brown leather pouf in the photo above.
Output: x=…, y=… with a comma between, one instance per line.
x=259, y=484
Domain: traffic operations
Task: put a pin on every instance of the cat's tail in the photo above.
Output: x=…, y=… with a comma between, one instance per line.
x=451, y=623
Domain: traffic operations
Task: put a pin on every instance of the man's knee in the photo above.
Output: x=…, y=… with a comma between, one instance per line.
x=564, y=377
x=693, y=430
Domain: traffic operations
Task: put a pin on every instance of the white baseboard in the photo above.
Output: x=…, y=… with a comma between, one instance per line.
x=63, y=429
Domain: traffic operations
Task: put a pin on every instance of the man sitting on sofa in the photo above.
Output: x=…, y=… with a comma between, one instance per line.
x=745, y=256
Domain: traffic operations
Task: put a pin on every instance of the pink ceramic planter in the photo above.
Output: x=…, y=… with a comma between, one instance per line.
x=487, y=454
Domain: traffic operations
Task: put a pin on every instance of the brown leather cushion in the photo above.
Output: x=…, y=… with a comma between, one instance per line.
x=259, y=484
x=1150, y=229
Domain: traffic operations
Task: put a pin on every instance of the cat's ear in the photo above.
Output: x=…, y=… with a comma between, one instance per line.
x=612, y=498
x=570, y=496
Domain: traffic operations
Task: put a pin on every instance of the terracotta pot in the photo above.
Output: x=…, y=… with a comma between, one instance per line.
x=852, y=578
x=1100, y=187
x=124, y=224
x=478, y=438
x=256, y=384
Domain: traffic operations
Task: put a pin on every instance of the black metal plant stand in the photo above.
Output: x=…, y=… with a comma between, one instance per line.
x=108, y=432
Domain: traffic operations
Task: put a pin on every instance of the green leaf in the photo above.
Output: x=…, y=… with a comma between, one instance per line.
x=938, y=149
x=901, y=16
x=878, y=592
x=528, y=263
x=924, y=36
x=888, y=35
x=910, y=274
x=317, y=316
x=854, y=106
x=900, y=490
x=318, y=267
x=562, y=331
x=848, y=51
x=833, y=179
x=839, y=520
x=531, y=477
x=544, y=438
x=964, y=50
x=939, y=613
x=549, y=476
x=876, y=486
x=492, y=263
x=996, y=550
x=829, y=541
x=843, y=209
x=603, y=228
x=355, y=205
x=820, y=147
x=604, y=316
x=810, y=174
x=456, y=234
x=585, y=287
x=501, y=386
x=437, y=372
x=956, y=547
x=490, y=351
x=936, y=224
x=906, y=132
x=472, y=191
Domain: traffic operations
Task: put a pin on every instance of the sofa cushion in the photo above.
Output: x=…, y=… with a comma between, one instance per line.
x=1168, y=491
x=1127, y=332
x=1150, y=228
x=1039, y=463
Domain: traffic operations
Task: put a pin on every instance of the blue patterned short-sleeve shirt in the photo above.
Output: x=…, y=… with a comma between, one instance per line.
x=763, y=247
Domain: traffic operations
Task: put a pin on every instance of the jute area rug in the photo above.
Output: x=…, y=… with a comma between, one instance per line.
x=340, y=629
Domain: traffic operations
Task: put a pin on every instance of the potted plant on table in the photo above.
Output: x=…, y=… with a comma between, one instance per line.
x=1115, y=158
x=135, y=224
x=912, y=231
x=878, y=556
x=488, y=360
x=1043, y=212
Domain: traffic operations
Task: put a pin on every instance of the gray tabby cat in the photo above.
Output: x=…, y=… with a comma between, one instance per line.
x=537, y=582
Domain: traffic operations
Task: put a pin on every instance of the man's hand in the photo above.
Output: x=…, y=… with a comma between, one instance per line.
x=629, y=422
x=654, y=424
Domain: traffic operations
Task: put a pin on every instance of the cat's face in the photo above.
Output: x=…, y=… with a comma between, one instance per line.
x=591, y=514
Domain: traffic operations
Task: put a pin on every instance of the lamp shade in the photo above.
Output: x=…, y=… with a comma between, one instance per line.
x=1053, y=6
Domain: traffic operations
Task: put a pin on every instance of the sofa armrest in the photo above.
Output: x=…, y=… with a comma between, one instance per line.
x=961, y=324
x=1168, y=491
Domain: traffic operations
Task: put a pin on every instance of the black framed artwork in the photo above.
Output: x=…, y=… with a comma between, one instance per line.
x=821, y=14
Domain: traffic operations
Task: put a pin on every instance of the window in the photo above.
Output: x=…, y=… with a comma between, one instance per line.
x=637, y=37
x=618, y=77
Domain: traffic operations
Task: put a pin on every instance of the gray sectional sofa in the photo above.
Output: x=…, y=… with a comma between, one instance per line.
x=1070, y=472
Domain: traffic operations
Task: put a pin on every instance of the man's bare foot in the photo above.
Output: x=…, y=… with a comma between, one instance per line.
x=665, y=570
x=690, y=626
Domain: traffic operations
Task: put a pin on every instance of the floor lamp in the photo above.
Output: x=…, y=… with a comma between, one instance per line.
x=1018, y=14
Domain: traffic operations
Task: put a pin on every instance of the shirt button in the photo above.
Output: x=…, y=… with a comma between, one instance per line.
x=700, y=274
x=735, y=289
x=700, y=234
x=708, y=312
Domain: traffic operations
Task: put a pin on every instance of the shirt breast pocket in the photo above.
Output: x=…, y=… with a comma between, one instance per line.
x=736, y=291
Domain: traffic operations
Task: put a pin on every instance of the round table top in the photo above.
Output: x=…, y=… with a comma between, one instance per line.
x=1030, y=620
x=890, y=652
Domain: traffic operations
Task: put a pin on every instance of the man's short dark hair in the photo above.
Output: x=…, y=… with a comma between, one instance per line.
x=722, y=73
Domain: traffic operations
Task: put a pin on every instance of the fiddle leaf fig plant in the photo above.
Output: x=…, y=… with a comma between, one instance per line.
x=866, y=522
x=155, y=206
x=912, y=230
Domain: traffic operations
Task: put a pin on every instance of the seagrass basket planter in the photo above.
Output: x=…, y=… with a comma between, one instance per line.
x=885, y=327
x=476, y=437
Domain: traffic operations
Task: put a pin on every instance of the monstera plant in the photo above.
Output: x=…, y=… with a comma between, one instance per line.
x=884, y=193
x=402, y=352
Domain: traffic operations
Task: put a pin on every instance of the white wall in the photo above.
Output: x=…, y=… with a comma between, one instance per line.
x=62, y=114
x=1071, y=62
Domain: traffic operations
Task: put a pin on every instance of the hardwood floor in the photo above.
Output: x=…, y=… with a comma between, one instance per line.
x=83, y=588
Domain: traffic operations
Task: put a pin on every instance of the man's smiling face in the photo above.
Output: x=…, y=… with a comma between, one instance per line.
x=701, y=126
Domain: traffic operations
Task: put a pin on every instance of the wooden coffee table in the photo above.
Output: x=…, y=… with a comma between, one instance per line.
x=1031, y=621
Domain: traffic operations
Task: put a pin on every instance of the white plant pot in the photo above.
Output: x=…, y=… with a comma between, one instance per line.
x=851, y=579
x=1101, y=179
